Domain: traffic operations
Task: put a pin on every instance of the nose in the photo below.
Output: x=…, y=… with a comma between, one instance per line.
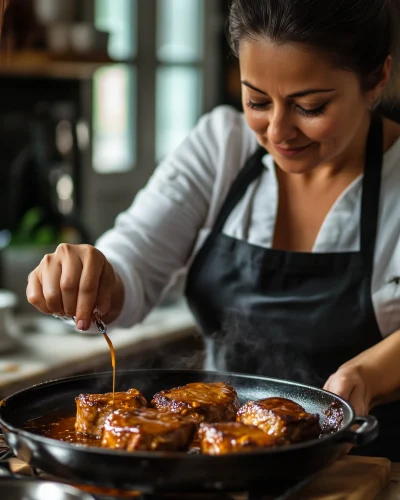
x=281, y=128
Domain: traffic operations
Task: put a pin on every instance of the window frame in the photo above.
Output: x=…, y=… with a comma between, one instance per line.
x=104, y=195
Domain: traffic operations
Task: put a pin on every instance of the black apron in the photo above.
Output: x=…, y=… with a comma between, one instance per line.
x=292, y=315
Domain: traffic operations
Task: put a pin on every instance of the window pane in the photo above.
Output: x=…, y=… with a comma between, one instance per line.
x=114, y=133
x=178, y=106
x=119, y=18
x=180, y=30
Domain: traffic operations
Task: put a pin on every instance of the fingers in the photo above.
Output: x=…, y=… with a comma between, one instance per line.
x=34, y=294
x=69, y=281
x=350, y=385
x=66, y=282
x=92, y=268
x=357, y=400
x=49, y=275
x=339, y=385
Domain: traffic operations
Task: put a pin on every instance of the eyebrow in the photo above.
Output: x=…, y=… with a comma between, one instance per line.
x=302, y=93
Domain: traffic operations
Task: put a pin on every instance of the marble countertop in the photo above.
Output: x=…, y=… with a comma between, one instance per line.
x=46, y=348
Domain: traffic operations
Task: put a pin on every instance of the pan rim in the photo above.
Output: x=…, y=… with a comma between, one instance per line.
x=146, y=455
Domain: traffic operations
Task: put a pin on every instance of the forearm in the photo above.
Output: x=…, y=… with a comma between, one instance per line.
x=380, y=366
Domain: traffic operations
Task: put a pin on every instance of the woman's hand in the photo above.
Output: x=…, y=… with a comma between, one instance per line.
x=73, y=281
x=351, y=383
x=372, y=378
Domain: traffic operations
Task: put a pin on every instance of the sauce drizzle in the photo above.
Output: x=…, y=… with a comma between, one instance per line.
x=112, y=352
x=103, y=329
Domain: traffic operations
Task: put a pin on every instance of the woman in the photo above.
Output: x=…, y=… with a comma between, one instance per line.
x=287, y=217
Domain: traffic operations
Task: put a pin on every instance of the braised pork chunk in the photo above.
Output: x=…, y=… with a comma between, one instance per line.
x=233, y=437
x=205, y=402
x=334, y=419
x=281, y=418
x=147, y=429
x=93, y=409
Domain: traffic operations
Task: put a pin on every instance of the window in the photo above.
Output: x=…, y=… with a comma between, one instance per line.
x=177, y=70
x=180, y=34
x=119, y=18
x=180, y=30
x=114, y=119
x=178, y=106
x=143, y=105
x=114, y=89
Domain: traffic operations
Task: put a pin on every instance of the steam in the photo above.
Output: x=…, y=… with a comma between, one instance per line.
x=243, y=345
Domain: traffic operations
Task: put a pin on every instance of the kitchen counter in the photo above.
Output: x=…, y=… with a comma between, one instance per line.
x=392, y=491
x=347, y=479
x=46, y=348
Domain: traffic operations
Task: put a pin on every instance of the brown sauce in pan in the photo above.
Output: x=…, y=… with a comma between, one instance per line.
x=61, y=426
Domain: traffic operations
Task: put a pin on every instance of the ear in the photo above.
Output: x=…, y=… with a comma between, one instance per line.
x=373, y=96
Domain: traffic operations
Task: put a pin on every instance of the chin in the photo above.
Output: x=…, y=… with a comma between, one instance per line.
x=295, y=167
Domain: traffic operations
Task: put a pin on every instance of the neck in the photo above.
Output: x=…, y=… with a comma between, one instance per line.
x=352, y=159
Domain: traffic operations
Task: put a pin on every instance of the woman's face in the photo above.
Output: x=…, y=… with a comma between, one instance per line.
x=304, y=111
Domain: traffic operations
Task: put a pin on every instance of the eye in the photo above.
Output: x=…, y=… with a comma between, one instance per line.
x=312, y=113
x=257, y=105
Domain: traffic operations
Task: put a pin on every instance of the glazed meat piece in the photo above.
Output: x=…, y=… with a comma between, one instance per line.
x=233, y=437
x=334, y=419
x=93, y=409
x=147, y=429
x=213, y=402
x=282, y=418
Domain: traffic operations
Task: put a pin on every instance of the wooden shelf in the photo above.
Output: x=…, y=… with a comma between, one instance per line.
x=52, y=65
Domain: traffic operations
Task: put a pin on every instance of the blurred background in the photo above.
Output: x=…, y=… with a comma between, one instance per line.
x=94, y=93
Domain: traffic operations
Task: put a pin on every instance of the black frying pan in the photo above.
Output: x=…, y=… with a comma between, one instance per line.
x=150, y=471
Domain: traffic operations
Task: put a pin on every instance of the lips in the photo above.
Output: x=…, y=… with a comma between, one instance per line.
x=291, y=151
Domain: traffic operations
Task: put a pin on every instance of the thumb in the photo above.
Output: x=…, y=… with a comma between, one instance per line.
x=358, y=401
x=339, y=385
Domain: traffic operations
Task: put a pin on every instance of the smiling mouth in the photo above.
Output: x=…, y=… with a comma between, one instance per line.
x=291, y=151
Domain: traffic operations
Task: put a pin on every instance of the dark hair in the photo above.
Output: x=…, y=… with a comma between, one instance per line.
x=357, y=35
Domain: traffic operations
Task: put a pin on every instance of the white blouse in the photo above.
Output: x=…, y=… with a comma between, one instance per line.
x=169, y=219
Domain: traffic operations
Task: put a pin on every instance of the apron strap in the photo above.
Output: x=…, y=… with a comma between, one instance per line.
x=249, y=173
x=371, y=190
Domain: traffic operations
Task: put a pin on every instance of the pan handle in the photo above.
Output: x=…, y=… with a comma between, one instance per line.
x=367, y=431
